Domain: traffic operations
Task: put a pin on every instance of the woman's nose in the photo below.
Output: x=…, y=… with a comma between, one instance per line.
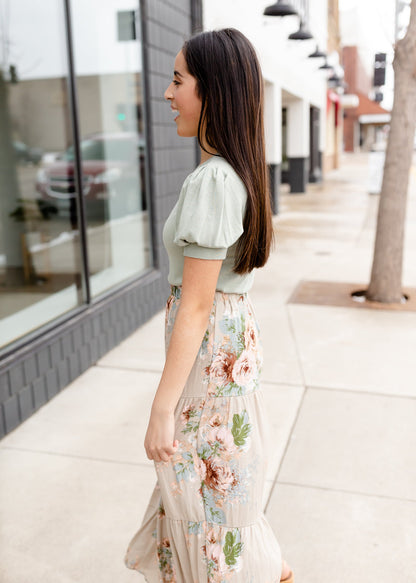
x=168, y=92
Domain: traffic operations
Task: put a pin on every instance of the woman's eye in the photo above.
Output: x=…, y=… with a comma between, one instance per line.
x=175, y=82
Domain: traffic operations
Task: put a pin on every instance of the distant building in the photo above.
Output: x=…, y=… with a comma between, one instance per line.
x=364, y=125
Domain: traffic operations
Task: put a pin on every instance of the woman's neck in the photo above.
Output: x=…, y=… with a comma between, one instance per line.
x=207, y=155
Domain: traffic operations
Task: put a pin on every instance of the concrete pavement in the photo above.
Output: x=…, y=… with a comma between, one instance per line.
x=340, y=385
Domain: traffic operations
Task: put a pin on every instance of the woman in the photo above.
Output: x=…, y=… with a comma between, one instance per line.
x=206, y=433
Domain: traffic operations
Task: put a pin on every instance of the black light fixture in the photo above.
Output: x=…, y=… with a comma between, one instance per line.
x=337, y=78
x=334, y=78
x=280, y=8
x=317, y=53
x=301, y=34
x=326, y=65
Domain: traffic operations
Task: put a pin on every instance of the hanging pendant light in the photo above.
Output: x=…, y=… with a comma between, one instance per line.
x=326, y=65
x=301, y=34
x=280, y=8
x=334, y=78
x=317, y=53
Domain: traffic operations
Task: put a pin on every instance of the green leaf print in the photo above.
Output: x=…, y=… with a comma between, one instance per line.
x=185, y=469
x=204, y=343
x=230, y=389
x=233, y=547
x=204, y=451
x=234, y=327
x=240, y=343
x=241, y=428
x=193, y=421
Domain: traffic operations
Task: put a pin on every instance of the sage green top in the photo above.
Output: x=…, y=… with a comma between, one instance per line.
x=207, y=222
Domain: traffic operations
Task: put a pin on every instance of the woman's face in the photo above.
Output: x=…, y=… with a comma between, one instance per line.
x=184, y=100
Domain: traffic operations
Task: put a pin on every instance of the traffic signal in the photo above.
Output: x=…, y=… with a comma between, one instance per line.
x=380, y=69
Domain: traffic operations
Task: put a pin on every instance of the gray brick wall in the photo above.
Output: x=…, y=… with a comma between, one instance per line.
x=33, y=374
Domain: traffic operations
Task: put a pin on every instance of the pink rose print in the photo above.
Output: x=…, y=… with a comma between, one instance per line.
x=222, y=367
x=211, y=536
x=250, y=339
x=187, y=413
x=200, y=467
x=224, y=436
x=215, y=554
x=216, y=420
x=218, y=476
x=244, y=369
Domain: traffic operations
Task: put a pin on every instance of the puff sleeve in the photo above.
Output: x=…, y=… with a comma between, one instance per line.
x=210, y=213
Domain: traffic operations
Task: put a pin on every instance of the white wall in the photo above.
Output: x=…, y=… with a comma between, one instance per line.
x=284, y=62
x=281, y=59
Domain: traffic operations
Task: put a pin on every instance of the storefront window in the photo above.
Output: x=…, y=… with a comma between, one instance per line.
x=108, y=71
x=43, y=264
x=40, y=255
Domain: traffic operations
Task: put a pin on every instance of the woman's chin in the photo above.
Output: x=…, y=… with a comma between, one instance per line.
x=185, y=133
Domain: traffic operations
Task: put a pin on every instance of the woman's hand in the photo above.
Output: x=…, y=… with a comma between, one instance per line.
x=159, y=443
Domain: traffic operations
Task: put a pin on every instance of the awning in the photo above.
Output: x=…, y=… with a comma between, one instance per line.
x=374, y=118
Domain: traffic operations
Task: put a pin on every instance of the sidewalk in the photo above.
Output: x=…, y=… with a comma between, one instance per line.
x=340, y=385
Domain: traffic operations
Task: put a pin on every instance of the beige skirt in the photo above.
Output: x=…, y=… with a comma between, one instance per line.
x=205, y=520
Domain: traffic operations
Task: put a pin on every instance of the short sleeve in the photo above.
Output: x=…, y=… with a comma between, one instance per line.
x=210, y=213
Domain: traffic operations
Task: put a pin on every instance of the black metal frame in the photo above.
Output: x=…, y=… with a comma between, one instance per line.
x=148, y=132
x=81, y=218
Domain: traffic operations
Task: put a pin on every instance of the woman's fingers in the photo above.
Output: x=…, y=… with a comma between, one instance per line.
x=162, y=454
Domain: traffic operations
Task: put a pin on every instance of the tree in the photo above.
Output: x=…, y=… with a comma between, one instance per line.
x=386, y=273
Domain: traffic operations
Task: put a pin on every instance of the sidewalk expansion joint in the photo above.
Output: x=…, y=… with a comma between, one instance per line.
x=359, y=392
x=295, y=342
x=75, y=456
x=131, y=369
x=342, y=491
x=282, y=383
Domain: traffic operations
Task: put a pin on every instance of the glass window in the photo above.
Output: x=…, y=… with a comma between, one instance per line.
x=108, y=70
x=40, y=256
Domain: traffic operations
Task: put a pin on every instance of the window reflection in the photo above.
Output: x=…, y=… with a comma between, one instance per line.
x=110, y=103
x=39, y=250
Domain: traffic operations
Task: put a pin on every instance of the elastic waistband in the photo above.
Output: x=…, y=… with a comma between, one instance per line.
x=176, y=290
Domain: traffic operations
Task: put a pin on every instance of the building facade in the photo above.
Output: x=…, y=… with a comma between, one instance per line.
x=294, y=85
x=82, y=111
x=91, y=165
x=365, y=124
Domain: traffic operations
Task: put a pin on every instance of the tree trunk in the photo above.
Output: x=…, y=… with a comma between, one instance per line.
x=386, y=274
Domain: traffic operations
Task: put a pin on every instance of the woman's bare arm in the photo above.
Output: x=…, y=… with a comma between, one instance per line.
x=199, y=282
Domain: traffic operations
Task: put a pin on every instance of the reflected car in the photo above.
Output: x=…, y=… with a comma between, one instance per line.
x=112, y=177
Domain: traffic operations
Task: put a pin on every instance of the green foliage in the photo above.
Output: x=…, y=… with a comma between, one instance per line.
x=232, y=549
x=240, y=429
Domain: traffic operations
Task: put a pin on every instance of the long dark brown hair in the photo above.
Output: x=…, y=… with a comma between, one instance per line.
x=230, y=86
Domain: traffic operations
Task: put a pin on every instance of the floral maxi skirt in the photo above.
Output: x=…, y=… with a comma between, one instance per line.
x=205, y=522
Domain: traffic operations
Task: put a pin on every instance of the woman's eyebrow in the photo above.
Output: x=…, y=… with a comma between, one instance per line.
x=177, y=74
